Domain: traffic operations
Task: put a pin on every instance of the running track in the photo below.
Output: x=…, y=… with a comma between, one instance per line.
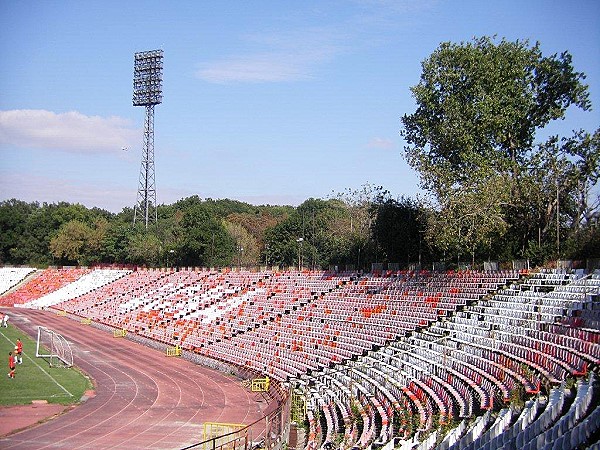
x=143, y=400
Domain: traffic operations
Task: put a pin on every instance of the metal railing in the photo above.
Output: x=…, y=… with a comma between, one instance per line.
x=268, y=432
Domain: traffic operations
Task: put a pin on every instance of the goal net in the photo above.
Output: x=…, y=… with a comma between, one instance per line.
x=53, y=347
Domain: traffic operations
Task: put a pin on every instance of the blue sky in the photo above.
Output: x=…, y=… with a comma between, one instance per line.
x=264, y=101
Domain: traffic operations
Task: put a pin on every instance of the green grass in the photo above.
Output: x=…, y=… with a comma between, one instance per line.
x=35, y=379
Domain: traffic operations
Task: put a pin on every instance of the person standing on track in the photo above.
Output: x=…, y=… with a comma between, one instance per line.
x=19, y=351
x=11, y=365
x=5, y=321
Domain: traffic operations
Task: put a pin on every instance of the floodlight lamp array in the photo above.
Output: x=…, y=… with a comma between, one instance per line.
x=147, y=78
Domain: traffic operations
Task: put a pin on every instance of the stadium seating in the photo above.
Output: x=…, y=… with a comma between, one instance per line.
x=44, y=282
x=86, y=283
x=469, y=359
x=12, y=276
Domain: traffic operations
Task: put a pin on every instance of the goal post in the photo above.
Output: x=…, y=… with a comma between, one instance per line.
x=54, y=347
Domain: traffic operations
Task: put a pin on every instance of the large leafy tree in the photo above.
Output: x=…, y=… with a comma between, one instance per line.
x=43, y=224
x=246, y=246
x=205, y=240
x=318, y=233
x=248, y=230
x=361, y=248
x=13, y=217
x=469, y=220
x=79, y=242
x=144, y=248
x=398, y=230
x=479, y=107
x=566, y=171
x=115, y=243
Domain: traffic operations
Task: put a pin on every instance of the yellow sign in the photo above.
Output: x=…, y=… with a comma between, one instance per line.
x=298, y=412
x=119, y=333
x=174, y=351
x=260, y=384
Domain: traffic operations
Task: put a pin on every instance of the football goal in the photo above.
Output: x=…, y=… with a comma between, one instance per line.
x=54, y=348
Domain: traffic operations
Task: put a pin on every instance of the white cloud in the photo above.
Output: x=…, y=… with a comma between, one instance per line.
x=287, y=56
x=396, y=6
x=293, y=54
x=271, y=67
x=69, y=132
x=381, y=143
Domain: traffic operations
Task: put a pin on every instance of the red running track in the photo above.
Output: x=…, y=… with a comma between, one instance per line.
x=143, y=399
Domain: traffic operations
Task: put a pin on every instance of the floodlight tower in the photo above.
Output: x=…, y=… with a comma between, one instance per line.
x=147, y=91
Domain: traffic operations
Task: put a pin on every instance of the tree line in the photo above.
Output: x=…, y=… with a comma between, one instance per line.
x=492, y=191
x=353, y=230
x=342, y=231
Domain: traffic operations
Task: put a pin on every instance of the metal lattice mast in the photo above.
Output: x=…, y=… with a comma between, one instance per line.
x=147, y=91
x=146, y=195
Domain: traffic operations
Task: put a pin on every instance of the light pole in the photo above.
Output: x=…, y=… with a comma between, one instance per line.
x=266, y=255
x=299, y=241
x=240, y=251
x=147, y=92
x=557, y=220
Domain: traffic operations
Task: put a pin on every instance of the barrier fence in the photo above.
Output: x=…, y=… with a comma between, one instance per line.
x=269, y=432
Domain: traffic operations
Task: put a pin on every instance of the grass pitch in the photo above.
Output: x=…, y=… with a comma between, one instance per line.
x=35, y=379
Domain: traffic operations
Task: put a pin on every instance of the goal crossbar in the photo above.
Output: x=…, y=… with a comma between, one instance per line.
x=54, y=347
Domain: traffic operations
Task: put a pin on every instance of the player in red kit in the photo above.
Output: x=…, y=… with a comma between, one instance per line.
x=11, y=365
x=19, y=349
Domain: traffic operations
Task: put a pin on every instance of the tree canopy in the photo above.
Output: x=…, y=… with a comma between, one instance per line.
x=472, y=139
x=352, y=229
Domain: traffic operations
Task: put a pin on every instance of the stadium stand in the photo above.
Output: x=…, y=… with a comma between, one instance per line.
x=12, y=276
x=447, y=360
x=42, y=283
x=87, y=282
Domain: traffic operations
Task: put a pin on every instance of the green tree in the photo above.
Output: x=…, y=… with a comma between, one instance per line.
x=313, y=235
x=115, y=242
x=356, y=235
x=246, y=245
x=282, y=241
x=78, y=242
x=71, y=242
x=255, y=225
x=398, y=230
x=13, y=217
x=568, y=170
x=144, y=248
x=41, y=226
x=479, y=107
x=470, y=219
x=205, y=241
